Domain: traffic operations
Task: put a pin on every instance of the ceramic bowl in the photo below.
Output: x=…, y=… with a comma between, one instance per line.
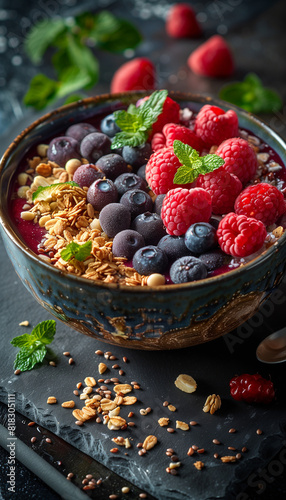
x=163, y=317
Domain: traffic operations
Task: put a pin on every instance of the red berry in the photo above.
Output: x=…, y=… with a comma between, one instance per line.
x=161, y=169
x=239, y=158
x=223, y=188
x=212, y=58
x=239, y=235
x=262, y=201
x=183, y=207
x=170, y=114
x=158, y=141
x=213, y=125
x=252, y=388
x=172, y=131
x=181, y=22
x=138, y=74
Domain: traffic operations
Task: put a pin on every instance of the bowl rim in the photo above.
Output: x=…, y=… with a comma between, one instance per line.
x=186, y=96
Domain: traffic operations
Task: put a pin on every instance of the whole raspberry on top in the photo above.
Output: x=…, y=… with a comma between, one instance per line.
x=181, y=22
x=212, y=58
x=239, y=235
x=252, y=388
x=213, y=125
x=223, y=188
x=161, y=169
x=137, y=74
x=170, y=114
x=239, y=158
x=183, y=207
x=171, y=132
x=262, y=201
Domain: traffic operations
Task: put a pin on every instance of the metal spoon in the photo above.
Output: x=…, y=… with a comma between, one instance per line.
x=273, y=348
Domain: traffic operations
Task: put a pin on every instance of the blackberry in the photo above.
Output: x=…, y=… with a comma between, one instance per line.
x=108, y=126
x=137, y=201
x=80, y=130
x=200, y=237
x=114, y=218
x=127, y=181
x=61, y=149
x=158, y=203
x=95, y=145
x=126, y=243
x=187, y=269
x=85, y=175
x=112, y=165
x=174, y=247
x=101, y=192
x=150, y=225
x=150, y=259
x=214, y=259
x=138, y=155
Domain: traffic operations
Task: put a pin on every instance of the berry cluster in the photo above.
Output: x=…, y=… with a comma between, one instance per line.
x=252, y=389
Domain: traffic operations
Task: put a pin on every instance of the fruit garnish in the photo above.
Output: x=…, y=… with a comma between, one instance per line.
x=252, y=388
x=76, y=251
x=45, y=193
x=192, y=163
x=136, y=123
x=33, y=346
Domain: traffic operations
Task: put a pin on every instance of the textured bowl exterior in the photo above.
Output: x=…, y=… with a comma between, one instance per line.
x=164, y=317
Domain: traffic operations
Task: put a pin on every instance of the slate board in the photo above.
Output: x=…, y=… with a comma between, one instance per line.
x=211, y=364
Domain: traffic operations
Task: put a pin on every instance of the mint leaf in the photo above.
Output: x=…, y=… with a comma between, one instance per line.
x=192, y=163
x=41, y=36
x=27, y=358
x=44, y=332
x=76, y=251
x=25, y=340
x=251, y=95
x=42, y=91
x=136, y=123
x=82, y=58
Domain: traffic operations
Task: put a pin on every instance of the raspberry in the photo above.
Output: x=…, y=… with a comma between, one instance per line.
x=239, y=235
x=170, y=114
x=213, y=125
x=252, y=388
x=172, y=131
x=161, y=169
x=181, y=22
x=239, y=158
x=262, y=201
x=223, y=188
x=158, y=141
x=212, y=58
x=138, y=74
x=183, y=207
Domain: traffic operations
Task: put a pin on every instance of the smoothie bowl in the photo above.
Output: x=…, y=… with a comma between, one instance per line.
x=70, y=192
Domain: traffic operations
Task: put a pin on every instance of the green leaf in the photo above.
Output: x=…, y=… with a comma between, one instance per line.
x=154, y=103
x=185, y=153
x=42, y=91
x=210, y=163
x=25, y=340
x=41, y=36
x=44, y=193
x=72, y=80
x=184, y=175
x=82, y=58
x=27, y=358
x=76, y=251
x=128, y=122
x=113, y=34
x=192, y=164
x=45, y=331
x=251, y=95
x=129, y=139
x=73, y=98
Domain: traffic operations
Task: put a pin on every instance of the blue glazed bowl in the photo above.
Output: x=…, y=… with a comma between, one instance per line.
x=163, y=317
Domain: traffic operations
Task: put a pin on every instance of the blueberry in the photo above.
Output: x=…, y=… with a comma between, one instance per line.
x=150, y=259
x=108, y=126
x=137, y=201
x=126, y=243
x=95, y=145
x=114, y=218
x=61, y=149
x=158, y=203
x=214, y=222
x=151, y=226
x=101, y=192
x=80, y=130
x=142, y=171
x=112, y=165
x=214, y=259
x=85, y=175
x=127, y=181
x=200, y=237
x=138, y=155
x=173, y=246
x=187, y=269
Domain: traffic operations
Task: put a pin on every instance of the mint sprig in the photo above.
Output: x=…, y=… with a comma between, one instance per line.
x=192, y=163
x=136, y=123
x=33, y=346
x=76, y=251
x=251, y=95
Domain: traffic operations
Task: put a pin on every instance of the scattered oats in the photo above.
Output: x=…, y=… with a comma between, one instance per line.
x=51, y=400
x=199, y=465
x=68, y=404
x=24, y=323
x=102, y=368
x=182, y=425
x=172, y=408
x=90, y=381
x=228, y=458
x=163, y=421
x=129, y=400
x=150, y=442
x=122, y=388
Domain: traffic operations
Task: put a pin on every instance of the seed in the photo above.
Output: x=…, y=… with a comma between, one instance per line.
x=72, y=165
x=100, y=380
x=76, y=393
x=190, y=452
x=139, y=445
x=131, y=424
x=89, y=487
x=113, y=497
x=231, y=448
x=33, y=439
x=113, y=358
x=125, y=359
x=130, y=414
x=136, y=386
x=71, y=361
x=28, y=215
x=114, y=450
x=142, y=452
x=238, y=456
x=259, y=432
x=70, y=475
x=115, y=367
x=232, y=430
x=98, y=420
x=31, y=424
x=66, y=353
x=216, y=441
x=106, y=356
x=173, y=472
x=125, y=489
x=193, y=422
x=68, y=404
x=99, y=481
x=174, y=458
x=143, y=495
x=99, y=352
x=78, y=385
x=216, y=455
x=244, y=449
x=78, y=422
x=17, y=372
x=107, y=381
x=201, y=450
x=48, y=440
x=102, y=368
x=121, y=372
x=114, y=380
x=171, y=430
